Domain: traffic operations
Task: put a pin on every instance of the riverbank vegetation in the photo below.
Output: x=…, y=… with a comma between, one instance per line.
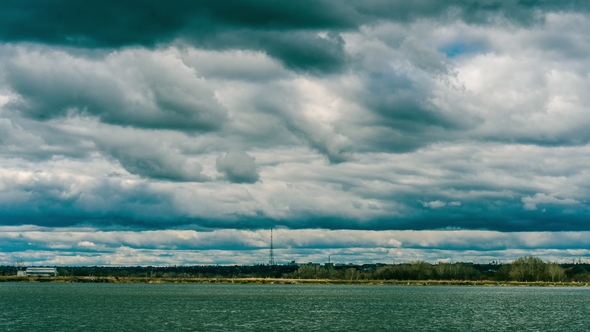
x=523, y=269
x=286, y=281
x=526, y=270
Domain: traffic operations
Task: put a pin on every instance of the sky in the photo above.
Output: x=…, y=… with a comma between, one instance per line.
x=180, y=132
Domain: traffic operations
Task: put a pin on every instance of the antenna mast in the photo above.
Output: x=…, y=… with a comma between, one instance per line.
x=272, y=254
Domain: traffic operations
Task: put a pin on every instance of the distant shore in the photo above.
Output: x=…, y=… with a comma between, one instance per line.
x=268, y=281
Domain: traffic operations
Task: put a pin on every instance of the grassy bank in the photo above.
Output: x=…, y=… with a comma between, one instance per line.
x=139, y=280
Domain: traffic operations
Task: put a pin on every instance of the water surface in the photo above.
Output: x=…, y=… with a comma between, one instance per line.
x=202, y=307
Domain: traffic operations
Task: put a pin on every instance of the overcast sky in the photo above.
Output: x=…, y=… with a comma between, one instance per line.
x=180, y=132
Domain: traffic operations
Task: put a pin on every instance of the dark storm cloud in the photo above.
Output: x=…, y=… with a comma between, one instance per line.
x=320, y=54
x=285, y=30
x=494, y=214
x=505, y=215
x=48, y=200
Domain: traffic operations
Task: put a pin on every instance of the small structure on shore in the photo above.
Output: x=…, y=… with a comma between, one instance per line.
x=40, y=272
x=20, y=272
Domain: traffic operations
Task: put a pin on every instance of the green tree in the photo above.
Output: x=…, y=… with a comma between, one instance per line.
x=421, y=270
x=455, y=271
x=502, y=273
x=384, y=273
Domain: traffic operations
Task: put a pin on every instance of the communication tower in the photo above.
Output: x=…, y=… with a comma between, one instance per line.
x=272, y=254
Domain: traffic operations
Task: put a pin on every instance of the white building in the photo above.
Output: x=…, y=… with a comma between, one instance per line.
x=41, y=272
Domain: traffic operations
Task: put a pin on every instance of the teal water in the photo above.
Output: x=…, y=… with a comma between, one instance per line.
x=143, y=307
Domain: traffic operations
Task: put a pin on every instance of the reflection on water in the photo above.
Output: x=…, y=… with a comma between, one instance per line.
x=132, y=307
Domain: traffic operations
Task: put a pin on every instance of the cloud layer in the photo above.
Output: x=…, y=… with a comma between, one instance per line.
x=84, y=246
x=374, y=116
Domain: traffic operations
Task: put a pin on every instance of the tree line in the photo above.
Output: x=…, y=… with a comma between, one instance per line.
x=527, y=268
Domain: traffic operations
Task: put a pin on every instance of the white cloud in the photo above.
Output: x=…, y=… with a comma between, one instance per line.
x=434, y=204
x=228, y=246
x=530, y=203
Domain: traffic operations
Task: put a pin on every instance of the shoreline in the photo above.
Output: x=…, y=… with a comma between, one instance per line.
x=281, y=281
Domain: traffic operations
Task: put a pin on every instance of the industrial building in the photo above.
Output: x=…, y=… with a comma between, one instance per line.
x=39, y=272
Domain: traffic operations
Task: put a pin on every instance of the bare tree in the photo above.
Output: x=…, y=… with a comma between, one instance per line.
x=555, y=272
x=351, y=274
x=527, y=268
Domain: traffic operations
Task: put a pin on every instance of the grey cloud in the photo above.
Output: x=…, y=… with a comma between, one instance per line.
x=234, y=65
x=412, y=191
x=287, y=103
x=463, y=192
x=153, y=163
x=426, y=58
x=398, y=115
x=5, y=128
x=147, y=154
x=336, y=147
x=34, y=141
x=238, y=167
x=522, y=12
x=396, y=91
x=400, y=105
x=509, y=91
x=128, y=88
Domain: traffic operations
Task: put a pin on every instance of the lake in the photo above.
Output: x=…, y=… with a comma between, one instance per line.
x=222, y=307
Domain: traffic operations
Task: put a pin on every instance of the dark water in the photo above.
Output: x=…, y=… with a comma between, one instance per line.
x=140, y=307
